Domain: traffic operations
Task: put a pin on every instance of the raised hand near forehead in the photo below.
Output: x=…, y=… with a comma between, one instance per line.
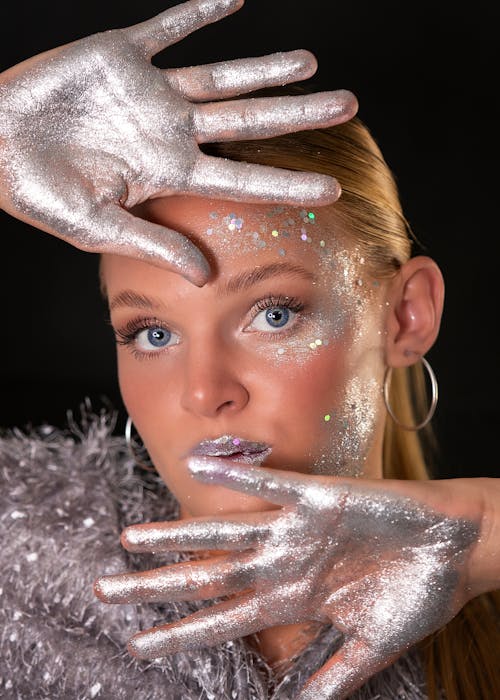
x=90, y=129
x=385, y=562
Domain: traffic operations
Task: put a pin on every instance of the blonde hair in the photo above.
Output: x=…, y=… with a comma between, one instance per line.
x=461, y=658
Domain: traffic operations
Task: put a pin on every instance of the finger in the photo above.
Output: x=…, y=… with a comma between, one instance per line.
x=199, y=580
x=276, y=486
x=174, y=24
x=115, y=230
x=221, y=178
x=264, y=117
x=202, y=533
x=220, y=623
x=344, y=672
x=229, y=78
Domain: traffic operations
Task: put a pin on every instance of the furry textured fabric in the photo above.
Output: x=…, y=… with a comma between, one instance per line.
x=64, y=498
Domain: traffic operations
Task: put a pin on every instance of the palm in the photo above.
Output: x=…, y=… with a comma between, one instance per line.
x=92, y=128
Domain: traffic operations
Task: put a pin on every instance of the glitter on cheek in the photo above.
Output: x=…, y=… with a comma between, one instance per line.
x=351, y=428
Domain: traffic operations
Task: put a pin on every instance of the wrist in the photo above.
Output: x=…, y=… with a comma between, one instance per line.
x=484, y=561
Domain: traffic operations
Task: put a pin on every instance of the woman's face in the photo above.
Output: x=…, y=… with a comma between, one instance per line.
x=284, y=346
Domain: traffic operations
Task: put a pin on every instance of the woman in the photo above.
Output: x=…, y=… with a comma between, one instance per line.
x=306, y=399
x=301, y=368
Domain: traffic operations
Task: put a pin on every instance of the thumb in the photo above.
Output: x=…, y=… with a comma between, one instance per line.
x=114, y=230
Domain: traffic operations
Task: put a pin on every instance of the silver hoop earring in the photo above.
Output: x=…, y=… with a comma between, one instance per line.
x=130, y=446
x=434, y=398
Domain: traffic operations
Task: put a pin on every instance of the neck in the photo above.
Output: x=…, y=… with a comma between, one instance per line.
x=281, y=644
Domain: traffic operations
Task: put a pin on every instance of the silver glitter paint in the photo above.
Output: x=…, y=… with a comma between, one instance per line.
x=383, y=568
x=90, y=129
x=201, y=533
x=351, y=428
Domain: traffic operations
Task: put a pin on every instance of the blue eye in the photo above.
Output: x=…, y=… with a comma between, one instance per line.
x=277, y=317
x=155, y=337
x=273, y=318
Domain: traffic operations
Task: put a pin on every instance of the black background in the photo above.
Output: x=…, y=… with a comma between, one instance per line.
x=426, y=76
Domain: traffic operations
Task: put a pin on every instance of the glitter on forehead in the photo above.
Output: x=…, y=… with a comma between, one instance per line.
x=279, y=209
x=308, y=217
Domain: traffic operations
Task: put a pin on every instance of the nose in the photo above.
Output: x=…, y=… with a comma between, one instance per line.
x=212, y=382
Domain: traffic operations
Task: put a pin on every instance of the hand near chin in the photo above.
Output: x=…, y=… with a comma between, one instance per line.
x=386, y=562
x=92, y=128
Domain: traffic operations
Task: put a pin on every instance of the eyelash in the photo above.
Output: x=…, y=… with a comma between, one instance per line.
x=127, y=334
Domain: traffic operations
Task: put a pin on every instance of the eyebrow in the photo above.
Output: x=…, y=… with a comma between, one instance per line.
x=247, y=279
x=238, y=283
x=130, y=298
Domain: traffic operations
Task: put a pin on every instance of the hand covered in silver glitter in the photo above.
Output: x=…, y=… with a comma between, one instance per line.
x=382, y=566
x=92, y=128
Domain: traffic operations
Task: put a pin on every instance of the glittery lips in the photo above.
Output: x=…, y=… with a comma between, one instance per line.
x=235, y=448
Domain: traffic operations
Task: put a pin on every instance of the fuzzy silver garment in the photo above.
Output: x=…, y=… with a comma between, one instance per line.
x=65, y=497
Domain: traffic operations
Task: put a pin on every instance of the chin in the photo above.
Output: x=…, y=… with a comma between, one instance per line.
x=223, y=501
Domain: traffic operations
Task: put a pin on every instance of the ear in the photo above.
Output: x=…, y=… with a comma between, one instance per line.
x=415, y=306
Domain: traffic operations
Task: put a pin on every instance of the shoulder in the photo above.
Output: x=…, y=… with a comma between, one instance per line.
x=64, y=498
x=78, y=477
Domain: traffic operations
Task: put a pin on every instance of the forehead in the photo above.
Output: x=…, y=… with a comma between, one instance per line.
x=233, y=234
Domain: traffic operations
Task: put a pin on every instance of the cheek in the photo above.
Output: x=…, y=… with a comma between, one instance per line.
x=142, y=393
x=331, y=406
